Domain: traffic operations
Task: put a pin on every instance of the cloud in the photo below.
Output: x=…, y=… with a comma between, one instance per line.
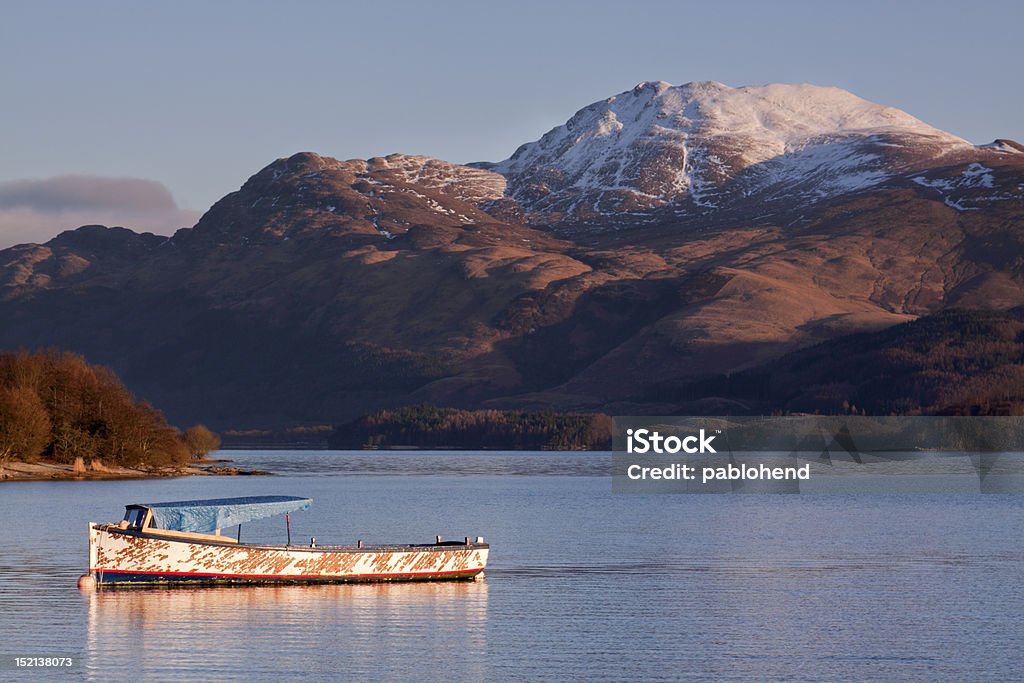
x=36, y=210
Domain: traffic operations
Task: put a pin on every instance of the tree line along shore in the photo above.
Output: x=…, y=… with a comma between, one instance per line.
x=61, y=412
x=57, y=408
x=430, y=427
x=64, y=418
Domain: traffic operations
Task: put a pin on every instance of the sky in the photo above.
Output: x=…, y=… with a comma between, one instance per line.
x=144, y=114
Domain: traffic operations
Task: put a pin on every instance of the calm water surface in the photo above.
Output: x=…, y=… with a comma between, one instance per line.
x=582, y=583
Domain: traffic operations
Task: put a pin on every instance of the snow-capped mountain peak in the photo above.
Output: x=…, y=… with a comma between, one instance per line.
x=696, y=146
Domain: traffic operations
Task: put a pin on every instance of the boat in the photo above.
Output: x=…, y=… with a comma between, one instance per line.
x=182, y=543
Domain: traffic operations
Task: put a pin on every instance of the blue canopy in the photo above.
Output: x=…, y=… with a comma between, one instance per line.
x=206, y=516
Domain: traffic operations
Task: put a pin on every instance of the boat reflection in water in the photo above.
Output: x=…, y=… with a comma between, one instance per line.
x=368, y=631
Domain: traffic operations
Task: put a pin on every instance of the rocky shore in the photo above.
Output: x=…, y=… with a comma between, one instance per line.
x=47, y=470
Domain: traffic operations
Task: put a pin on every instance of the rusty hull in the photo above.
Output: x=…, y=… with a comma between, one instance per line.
x=126, y=557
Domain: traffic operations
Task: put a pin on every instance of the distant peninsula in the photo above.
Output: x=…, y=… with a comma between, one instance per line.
x=431, y=427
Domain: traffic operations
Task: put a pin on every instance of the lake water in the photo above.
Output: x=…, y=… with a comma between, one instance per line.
x=582, y=583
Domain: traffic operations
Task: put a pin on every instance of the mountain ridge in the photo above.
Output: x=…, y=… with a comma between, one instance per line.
x=325, y=289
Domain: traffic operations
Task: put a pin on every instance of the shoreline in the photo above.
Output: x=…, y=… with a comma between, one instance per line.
x=45, y=470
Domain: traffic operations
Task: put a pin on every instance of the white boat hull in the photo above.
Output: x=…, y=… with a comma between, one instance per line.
x=127, y=557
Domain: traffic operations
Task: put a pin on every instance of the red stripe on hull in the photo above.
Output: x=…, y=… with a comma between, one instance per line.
x=290, y=577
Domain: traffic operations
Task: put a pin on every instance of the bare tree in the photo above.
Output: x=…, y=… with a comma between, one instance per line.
x=201, y=441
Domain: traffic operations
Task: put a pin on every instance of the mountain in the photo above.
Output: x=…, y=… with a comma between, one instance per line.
x=380, y=197
x=705, y=149
x=662, y=236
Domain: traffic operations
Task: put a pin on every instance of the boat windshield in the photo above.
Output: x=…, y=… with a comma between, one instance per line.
x=135, y=517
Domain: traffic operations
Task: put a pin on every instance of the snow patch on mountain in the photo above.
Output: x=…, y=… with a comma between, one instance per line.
x=473, y=185
x=975, y=175
x=965, y=191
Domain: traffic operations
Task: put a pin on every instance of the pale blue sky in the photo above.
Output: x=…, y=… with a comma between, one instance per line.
x=201, y=95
